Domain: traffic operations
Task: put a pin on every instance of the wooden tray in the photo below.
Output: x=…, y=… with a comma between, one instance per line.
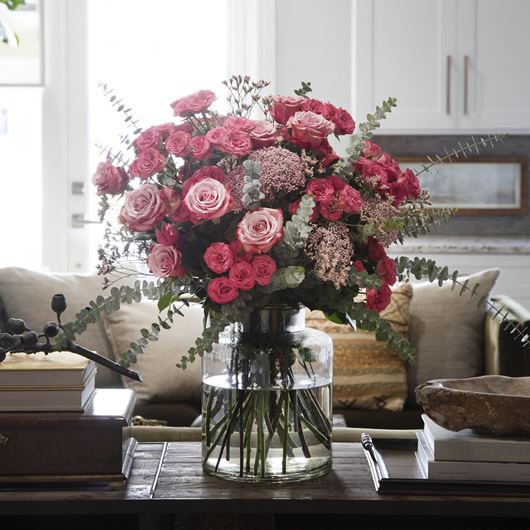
x=395, y=470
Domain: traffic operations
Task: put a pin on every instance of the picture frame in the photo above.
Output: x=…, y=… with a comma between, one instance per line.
x=22, y=64
x=476, y=185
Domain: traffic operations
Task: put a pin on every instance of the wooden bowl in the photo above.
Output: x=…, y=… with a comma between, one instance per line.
x=491, y=404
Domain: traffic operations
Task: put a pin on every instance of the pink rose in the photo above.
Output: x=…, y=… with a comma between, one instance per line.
x=165, y=262
x=264, y=134
x=194, y=103
x=344, y=123
x=167, y=235
x=237, y=143
x=171, y=199
x=217, y=136
x=149, y=138
x=293, y=208
x=410, y=183
x=358, y=265
x=239, y=123
x=331, y=157
x=264, y=268
x=178, y=143
x=314, y=105
x=199, y=147
x=165, y=129
x=386, y=269
x=143, y=208
x=376, y=251
x=147, y=163
x=378, y=299
x=331, y=210
x=310, y=128
x=181, y=214
x=239, y=251
x=283, y=107
x=338, y=182
x=207, y=199
x=330, y=112
x=260, y=229
x=371, y=149
x=222, y=290
x=219, y=257
x=243, y=275
x=110, y=179
x=351, y=199
x=321, y=189
x=185, y=126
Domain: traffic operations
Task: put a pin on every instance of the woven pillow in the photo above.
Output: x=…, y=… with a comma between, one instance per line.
x=366, y=373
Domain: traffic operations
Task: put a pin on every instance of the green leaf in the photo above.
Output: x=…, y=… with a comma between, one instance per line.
x=165, y=301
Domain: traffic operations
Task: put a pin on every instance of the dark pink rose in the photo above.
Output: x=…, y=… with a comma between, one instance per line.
x=193, y=104
x=219, y=257
x=149, y=138
x=167, y=235
x=330, y=112
x=239, y=123
x=386, y=269
x=314, y=105
x=171, y=199
x=321, y=189
x=199, y=147
x=110, y=179
x=264, y=134
x=237, y=143
x=410, y=183
x=165, y=262
x=148, y=162
x=338, y=182
x=390, y=166
x=371, y=149
x=283, y=107
x=181, y=214
x=243, y=275
x=376, y=251
x=222, y=290
x=351, y=199
x=344, y=123
x=359, y=266
x=239, y=251
x=207, y=199
x=178, y=143
x=398, y=191
x=293, y=208
x=378, y=299
x=217, y=136
x=310, y=128
x=331, y=210
x=143, y=208
x=264, y=268
x=260, y=229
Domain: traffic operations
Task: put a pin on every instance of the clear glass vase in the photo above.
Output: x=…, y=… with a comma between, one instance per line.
x=267, y=404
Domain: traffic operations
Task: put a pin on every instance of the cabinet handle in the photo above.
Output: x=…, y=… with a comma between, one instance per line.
x=466, y=82
x=448, y=86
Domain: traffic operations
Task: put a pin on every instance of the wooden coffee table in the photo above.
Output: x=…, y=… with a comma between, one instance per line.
x=159, y=489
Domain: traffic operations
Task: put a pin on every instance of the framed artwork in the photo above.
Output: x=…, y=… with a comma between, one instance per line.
x=482, y=185
x=22, y=45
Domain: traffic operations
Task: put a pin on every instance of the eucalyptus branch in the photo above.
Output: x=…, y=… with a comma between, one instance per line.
x=120, y=107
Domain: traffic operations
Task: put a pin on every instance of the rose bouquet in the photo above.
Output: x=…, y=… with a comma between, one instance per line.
x=247, y=215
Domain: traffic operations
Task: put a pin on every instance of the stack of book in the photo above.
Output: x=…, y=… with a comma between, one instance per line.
x=466, y=456
x=59, y=381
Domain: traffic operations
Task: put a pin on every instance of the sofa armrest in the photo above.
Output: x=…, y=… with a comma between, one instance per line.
x=504, y=352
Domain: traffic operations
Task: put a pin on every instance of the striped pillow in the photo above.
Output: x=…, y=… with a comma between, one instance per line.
x=366, y=373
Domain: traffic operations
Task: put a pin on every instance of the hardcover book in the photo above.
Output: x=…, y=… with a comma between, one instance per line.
x=469, y=446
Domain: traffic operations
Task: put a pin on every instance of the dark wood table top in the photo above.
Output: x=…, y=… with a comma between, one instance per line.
x=182, y=487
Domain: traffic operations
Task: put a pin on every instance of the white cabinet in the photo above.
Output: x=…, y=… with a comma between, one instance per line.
x=453, y=65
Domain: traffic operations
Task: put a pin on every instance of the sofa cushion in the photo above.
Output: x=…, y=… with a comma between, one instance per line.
x=163, y=381
x=447, y=329
x=366, y=373
x=27, y=294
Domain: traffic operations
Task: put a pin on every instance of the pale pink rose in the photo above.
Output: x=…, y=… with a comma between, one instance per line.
x=284, y=107
x=239, y=123
x=219, y=257
x=237, y=143
x=148, y=162
x=178, y=143
x=243, y=275
x=193, y=104
x=217, y=136
x=260, y=229
x=351, y=199
x=110, y=179
x=168, y=235
x=207, y=199
x=264, y=134
x=321, y=189
x=171, y=199
x=222, y=290
x=143, y=209
x=165, y=262
x=310, y=128
x=149, y=138
x=199, y=147
x=264, y=267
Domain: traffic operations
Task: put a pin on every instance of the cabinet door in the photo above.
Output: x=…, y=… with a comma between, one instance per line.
x=494, y=37
x=406, y=49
